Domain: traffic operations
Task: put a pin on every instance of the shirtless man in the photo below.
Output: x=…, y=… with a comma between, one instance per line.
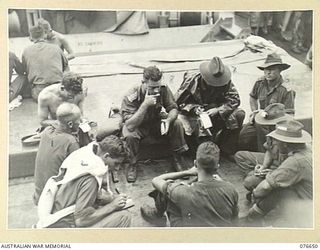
x=55, y=37
x=70, y=90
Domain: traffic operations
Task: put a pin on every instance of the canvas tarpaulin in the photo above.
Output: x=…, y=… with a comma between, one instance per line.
x=130, y=23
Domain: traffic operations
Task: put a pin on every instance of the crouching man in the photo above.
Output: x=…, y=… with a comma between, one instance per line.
x=208, y=202
x=80, y=199
x=288, y=186
x=142, y=115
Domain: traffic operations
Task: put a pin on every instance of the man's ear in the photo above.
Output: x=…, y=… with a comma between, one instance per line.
x=106, y=155
x=70, y=124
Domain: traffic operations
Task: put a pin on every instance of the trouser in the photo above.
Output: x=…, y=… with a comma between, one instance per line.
x=294, y=211
x=226, y=138
x=247, y=160
x=253, y=136
x=164, y=204
x=175, y=136
x=116, y=219
x=20, y=86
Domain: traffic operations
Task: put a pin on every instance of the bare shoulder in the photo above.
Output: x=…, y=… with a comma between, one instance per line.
x=79, y=98
x=47, y=95
x=59, y=36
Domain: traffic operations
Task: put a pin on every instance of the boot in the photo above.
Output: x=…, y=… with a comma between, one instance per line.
x=255, y=217
x=131, y=173
x=115, y=176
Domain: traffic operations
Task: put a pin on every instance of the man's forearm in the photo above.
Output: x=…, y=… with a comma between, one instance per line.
x=262, y=189
x=70, y=56
x=135, y=120
x=48, y=122
x=173, y=175
x=160, y=181
x=172, y=115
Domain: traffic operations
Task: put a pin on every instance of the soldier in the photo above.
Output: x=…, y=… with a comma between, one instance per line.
x=267, y=90
x=212, y=92
x=141, y=111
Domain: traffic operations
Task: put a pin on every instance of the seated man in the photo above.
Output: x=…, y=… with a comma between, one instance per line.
x=44, y=63
x=267, y=90
x=69, y=90
x=265, y=120
x=212, y=92
x=288, y=185
x=84, y=176
x=55, y=37
x=57, y=142
x=208, y=202
x=142, y=115
x=20, y=84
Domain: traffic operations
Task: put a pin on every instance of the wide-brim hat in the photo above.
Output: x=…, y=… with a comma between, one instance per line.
x=215, y=73
x=274, y=60
x=290, y=131
x=272, y=114
x=260, y=119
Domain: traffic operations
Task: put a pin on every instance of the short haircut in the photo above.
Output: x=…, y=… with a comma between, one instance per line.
x=208, y=156
x=152, y=73
x=67, y=112
x=72, y=82
x=115, y=146
x=36, y=32
x=44, y=24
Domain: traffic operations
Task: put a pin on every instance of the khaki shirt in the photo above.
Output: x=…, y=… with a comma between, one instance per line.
x=277, y=94
x=295, y=173
x=135, y=97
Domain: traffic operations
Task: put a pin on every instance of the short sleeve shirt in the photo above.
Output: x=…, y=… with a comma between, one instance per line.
x=44, y=63
x=54, y=148
x=83, y=193
x=295, y=173
x=135, y=97
x=266, y=95
x=206, y=203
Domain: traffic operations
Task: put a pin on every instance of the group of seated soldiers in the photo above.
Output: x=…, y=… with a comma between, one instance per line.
x=201, y=123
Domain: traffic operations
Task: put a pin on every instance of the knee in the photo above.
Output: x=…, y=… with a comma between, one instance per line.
x=240, y=115
x=239, y=157
x=177, y=124
x=248, y=183
x=129, y=135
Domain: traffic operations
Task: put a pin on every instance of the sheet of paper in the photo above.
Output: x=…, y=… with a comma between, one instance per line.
x=206, y=121
x=85, y=127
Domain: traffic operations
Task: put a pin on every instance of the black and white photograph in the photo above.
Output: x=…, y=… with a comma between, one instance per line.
x=160, y=119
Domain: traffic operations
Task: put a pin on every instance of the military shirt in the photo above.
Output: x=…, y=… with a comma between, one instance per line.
x=277, y=94
x=44, y=63
x=295, y=173
x=193, y=90
x=211, y=203
x=82, y=192
x=54, y=148
x=135, y=97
